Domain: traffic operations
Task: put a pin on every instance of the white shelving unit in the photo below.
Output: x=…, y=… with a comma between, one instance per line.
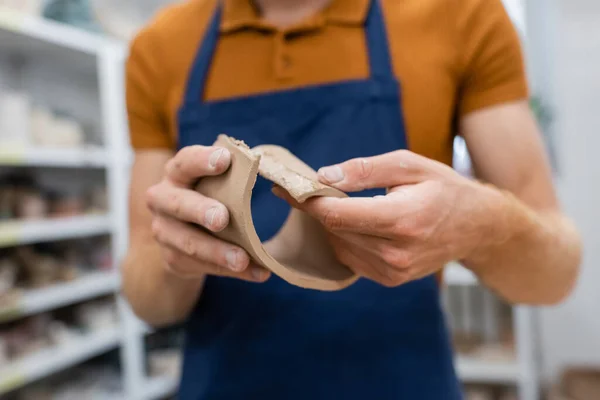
x=52, y=360
x=71, y=158
x=27, y=232
x=58, y=34
x=158, y=388
x=101, y=60
x=521, y=372
x=472, y=370
x=36, y=301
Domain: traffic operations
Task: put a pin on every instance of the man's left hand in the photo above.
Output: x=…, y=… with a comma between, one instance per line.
x=430, y=215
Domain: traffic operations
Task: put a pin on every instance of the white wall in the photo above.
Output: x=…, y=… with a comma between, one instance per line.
x=564, y=49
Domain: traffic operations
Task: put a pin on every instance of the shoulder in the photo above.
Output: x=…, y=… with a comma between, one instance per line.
x=175, y=27
x=461, y=27
x=484, y=13
x=165, y=47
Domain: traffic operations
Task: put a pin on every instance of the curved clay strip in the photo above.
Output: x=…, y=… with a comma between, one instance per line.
x=299, y=253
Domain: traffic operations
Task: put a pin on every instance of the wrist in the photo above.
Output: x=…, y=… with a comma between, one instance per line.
x=493, y=215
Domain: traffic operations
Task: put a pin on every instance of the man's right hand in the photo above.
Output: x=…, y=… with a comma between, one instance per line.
x=179, y=212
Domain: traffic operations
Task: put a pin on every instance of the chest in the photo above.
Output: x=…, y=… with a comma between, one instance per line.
x=252, y=62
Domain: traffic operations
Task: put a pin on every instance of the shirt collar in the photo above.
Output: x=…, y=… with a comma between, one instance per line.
x=239, y=14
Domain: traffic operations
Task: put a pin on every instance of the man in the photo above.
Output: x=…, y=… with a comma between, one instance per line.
x=373, y=92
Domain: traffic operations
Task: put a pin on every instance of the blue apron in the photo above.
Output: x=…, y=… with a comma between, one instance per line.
x=276, y=341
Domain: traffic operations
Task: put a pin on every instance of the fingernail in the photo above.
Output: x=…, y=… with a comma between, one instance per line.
x=333, y=174
x=217, y=156
x=234, y=259
x=217, y=218
x=258, y=273
x=211, y=217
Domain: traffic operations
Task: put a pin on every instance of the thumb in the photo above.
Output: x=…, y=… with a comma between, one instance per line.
x=401, y=167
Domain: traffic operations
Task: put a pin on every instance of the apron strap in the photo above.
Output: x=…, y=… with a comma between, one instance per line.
x=201, y=66
x=377, y=43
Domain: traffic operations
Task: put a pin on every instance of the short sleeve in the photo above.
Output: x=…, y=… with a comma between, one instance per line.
x=493, y=68
x=145, y=86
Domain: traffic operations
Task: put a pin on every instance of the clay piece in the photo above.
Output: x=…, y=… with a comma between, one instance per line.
x=299, y=253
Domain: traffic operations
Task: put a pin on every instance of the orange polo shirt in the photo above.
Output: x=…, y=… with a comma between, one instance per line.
x=452, y=57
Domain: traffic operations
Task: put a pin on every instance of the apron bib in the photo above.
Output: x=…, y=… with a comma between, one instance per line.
x=277, y=341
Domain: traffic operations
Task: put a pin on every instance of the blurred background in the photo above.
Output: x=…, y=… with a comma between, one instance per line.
x=65, y=331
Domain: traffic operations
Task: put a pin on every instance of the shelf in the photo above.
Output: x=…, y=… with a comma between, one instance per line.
x=50, y=361
x=54, y=32
x=160, y=387
x=61, y=158
x=13, y=233
x=474, y=370
x=457, y=275
x=56, y=296
x=145, y=329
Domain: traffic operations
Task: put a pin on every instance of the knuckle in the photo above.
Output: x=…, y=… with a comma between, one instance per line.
x=175, y=165
x=177, y=270
x=407, y=155
x=151, y=196
x=168, y=266
x=405, y=158
x=171, y=258
x=397, y=258
x=184, y=154
x=179, y=164
x=404, y=153
x=175, y=204
x=216, y=255
x=332, y=220
x=188, y=245
x=156, y=229
x=408, y=226
x=365, y=168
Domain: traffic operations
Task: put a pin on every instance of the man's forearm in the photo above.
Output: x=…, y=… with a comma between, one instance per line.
x=526, y=256
x=156, y=295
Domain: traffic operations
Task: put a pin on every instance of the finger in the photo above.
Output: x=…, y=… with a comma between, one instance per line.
x=360, y=262
x=189, y=206
x=194, y=162
x=198, y=244
x=401, y=167
x=188, y=267
x=373, y=245
x=372, y=216
x=374, y=258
